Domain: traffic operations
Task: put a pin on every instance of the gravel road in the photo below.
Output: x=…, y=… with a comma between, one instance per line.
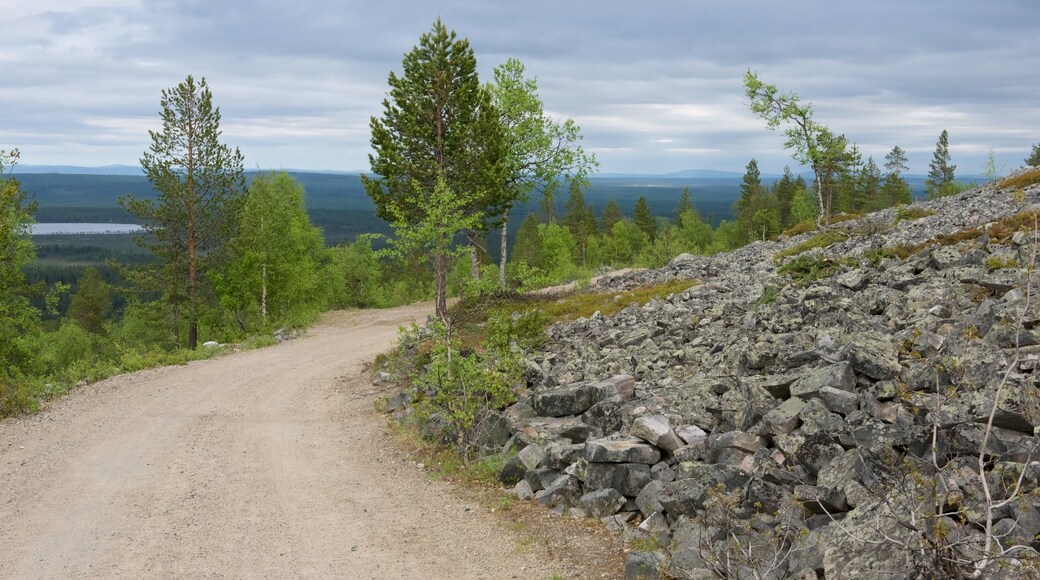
x=268, y=463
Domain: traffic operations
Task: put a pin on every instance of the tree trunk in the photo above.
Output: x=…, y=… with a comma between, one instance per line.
x=824, y=218
x=263, y=291
x=474, y=257
x=441, y=274
x=503, y=251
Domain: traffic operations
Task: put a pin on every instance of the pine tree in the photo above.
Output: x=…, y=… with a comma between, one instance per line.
x=895, y=190
x=644, y=219
x=896, y=161
x=940, y=170
x=438, y=125
x=610, y=215
x=200, y=184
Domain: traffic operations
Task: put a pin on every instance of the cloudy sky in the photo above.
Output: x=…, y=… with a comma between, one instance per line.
x=656, y=87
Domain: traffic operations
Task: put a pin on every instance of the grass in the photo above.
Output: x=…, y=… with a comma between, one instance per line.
x=821, y=240
x=910, y=213
x=1020, y=180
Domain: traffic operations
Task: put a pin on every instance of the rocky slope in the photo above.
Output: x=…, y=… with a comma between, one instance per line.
x=865, y=409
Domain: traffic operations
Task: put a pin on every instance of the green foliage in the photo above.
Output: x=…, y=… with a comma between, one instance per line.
x=440, y=152
x=808, y=268
x=876, y=255
x=356, y=276
x=539, y=151
x=273, y=276
x=91, y=305
x=990, y=169
x=19, y=321
x=1034, y=157
x=644, y=219
x=199, y=183
x=610, y=215
x=625, y=242
x=803, y=208
x=458, y=383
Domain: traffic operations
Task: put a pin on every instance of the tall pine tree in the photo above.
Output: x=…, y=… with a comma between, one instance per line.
x=200, y=186
x=439, y=134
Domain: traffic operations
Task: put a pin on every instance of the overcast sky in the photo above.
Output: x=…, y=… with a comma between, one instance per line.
x=656, y=87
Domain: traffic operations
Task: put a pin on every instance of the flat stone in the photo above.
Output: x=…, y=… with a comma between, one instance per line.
x=838, y=400
x=838, y=375
x=691, y=434
x=621, y=451
x=566, y=401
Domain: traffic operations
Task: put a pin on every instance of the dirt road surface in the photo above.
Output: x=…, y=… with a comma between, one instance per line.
x=268, y=463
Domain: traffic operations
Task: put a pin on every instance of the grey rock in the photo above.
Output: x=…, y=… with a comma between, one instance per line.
x=656, y=430
x=514, y=469
x=838, y=400
x=784, y=418
x=563, y=492
x=838, y=375
x=644, y=565
x=602, y=502
x=873, y=355
x=566, y=401
x=647, y=499
x=523, y=490
x=627, y=478
x=691, y=434
x=687, y=496
x=541, y=478
x=821, y=500
x=621, y=451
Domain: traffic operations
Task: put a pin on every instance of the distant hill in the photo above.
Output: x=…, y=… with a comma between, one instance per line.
x=338, y=204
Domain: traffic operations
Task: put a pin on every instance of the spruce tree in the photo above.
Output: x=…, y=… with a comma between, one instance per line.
x=610, y=215
x=579, y=219
x=784, y=190
x=200, y=186
x=684, y=206
x=1034, y=158
x=644, y=219
x=91, y=305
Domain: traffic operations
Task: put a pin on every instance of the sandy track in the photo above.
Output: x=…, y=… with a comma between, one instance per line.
x=264, y=464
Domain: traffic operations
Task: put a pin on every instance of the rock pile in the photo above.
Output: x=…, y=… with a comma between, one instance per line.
x=830, y=427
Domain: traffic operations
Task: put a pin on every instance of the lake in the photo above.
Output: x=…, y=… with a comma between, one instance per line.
x=85, y=228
